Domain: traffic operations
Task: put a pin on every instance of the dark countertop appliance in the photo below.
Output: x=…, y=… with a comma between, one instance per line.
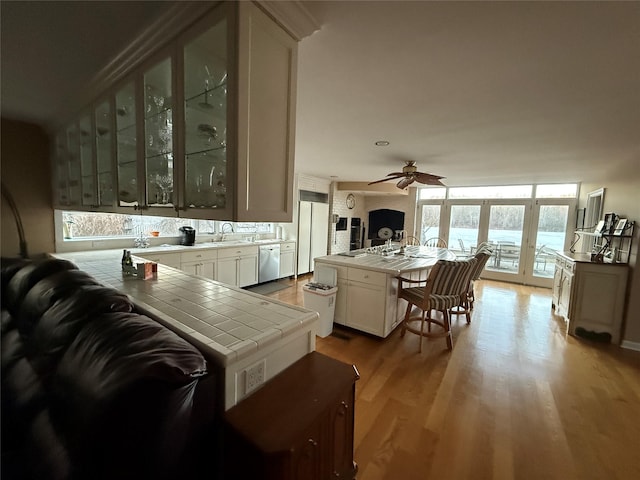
x=187, y=236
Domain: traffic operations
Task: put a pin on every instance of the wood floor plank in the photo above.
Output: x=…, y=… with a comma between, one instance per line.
x=516, y=398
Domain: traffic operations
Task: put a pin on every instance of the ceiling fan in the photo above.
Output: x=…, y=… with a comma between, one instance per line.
x=411, y=174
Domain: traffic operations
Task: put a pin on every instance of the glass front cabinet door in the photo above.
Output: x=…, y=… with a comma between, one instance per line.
x=105, y=180
x=61, y=189
x=126, y=146
x=158, y=137
x=85, y=154
x=205, y=63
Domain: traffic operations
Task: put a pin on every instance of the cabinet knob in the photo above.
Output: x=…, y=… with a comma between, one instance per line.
x=312, y=442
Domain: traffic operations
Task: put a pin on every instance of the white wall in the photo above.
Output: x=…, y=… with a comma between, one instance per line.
x=339, y=240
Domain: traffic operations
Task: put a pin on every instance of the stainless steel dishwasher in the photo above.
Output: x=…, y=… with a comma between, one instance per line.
x=269, y=263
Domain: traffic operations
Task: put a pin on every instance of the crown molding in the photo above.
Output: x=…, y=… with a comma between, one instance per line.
x=293, y=16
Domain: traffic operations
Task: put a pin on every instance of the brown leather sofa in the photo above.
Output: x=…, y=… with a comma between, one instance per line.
x=91, y=389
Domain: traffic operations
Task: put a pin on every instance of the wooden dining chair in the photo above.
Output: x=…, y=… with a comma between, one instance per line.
x=412, y=241
x=446, y=284
x=435, y=242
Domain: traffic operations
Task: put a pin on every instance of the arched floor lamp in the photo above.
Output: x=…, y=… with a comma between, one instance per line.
x=16, y=216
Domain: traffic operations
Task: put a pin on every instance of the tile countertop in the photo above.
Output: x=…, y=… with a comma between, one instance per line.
x=230, y=322
x=166, y=248
x=415, y=258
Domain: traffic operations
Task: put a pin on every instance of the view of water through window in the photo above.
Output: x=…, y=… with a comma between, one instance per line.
x=85, y=225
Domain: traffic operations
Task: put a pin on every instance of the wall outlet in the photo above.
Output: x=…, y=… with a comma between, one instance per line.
x=254, y=376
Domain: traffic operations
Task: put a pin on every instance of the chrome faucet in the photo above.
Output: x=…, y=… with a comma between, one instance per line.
x=222, y=231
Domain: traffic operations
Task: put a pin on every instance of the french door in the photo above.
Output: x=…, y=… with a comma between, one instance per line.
x=523, y=233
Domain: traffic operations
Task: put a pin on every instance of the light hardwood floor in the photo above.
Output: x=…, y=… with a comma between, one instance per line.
x=516, y=398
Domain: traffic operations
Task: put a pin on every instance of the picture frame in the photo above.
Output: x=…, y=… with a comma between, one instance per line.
x=620, y=227
x=610, y=220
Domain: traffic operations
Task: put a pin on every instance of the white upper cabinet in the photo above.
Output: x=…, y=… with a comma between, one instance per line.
x=267, y=78
x=202, y=128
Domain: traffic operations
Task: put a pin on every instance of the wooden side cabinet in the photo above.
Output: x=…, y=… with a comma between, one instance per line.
x=590, y=295
x=298, y=426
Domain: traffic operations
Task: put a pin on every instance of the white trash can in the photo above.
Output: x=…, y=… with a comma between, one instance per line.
x=322, y=299
x=320, y=296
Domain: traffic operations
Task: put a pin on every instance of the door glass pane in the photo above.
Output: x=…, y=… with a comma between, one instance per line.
x=126, y=146
x=552, y=223
x=430, y=226
x=205, y=93
x=86, y=162
x=463, y=228
x=158, y=124
x=104, y=121
x=505, y=233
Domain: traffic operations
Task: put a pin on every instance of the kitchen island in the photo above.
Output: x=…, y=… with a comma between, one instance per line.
x=247, y=337
x=367, y=297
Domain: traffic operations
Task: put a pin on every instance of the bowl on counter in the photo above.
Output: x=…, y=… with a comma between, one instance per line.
x=155, y=233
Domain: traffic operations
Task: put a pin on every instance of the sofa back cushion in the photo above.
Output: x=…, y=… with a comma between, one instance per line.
x=122, y=396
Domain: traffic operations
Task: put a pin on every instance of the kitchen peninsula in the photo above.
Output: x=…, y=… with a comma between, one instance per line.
x=367, y=298
x=249, y=338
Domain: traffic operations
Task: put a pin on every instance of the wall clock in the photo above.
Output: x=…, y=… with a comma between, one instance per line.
x=351, y=201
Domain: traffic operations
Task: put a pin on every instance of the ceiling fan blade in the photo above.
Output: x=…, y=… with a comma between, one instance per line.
x=428, y=179
x=387, y=179
x=405, y=182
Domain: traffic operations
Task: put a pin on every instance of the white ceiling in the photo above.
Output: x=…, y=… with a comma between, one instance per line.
x=478, y=92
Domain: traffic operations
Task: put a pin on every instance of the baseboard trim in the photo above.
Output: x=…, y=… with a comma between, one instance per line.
x=630, y=345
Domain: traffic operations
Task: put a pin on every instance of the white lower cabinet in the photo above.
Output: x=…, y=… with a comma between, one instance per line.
x=365, y=307
x=238, y=266
x=248, y=270
x=287, y=259
x=200, y=262
x=590, y=296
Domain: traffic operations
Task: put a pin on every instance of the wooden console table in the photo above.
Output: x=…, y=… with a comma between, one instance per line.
x=299, y=425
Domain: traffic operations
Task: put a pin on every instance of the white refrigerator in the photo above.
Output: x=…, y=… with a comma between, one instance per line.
x=313, y=233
